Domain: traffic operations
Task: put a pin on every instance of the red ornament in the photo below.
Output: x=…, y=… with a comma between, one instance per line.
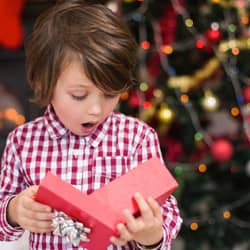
x=200, y=44
x=222, y=150
x=246, y=94
x=11, y=31
x=213, y=36
x=134, y=101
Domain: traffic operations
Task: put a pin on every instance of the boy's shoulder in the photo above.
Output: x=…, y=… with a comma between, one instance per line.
x=28, y=128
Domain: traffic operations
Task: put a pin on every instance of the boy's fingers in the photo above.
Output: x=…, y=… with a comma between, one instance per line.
x=130, y=220
x=133, y=224
x=118, y=241
x=33, y=188
x=155, y=208
x=31, y=204
x=36, y=206
x=34, y=225
x=26, y=200
x=31, y=191
x=39, y=216
x=124, y=233
x=144, y=208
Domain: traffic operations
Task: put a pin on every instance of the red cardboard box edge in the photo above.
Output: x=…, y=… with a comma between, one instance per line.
x=47, y=193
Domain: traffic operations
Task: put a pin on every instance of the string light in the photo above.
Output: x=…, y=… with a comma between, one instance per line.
x=167, y=49
x=245, y=20
x=225, y=3
x=158, y=94
x=189, y=22
x=145, y=45
x=124, y=96
x=215, y=1
x=226, y=215
x=235, y=51
x=198, y=136
x=202, y=168
x=200, y=44
x=194, y=226
x=147, y=105
x=184, y=98
x=232, y=28
x=235, y=111
x=210, y=101
x=178, y=170
x=143, y=86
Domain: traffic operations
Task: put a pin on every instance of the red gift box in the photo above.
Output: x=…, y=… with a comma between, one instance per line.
x=103, y=209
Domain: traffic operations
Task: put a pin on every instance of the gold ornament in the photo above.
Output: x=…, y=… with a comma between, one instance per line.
x=165, y=115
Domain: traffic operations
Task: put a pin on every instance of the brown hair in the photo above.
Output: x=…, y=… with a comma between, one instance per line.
x=94, y=33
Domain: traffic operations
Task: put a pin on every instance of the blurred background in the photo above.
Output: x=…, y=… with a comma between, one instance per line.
x=193, y=76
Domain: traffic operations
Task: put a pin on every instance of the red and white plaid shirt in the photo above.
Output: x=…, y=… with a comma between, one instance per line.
x=87, y=162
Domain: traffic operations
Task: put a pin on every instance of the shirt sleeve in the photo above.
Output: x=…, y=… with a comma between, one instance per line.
x=10, y=185
x=172, y=220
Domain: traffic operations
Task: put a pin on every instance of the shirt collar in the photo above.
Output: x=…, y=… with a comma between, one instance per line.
x=54, y=126
x=57, y=130
x=101, y=131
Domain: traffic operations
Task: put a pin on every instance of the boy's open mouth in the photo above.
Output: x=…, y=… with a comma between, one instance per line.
x=88, y=125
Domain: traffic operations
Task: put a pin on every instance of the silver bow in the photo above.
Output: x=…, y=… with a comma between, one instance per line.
x=65, y=226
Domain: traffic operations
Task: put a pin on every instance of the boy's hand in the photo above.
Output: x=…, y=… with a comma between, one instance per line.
x=33, y=216
x=146, y=229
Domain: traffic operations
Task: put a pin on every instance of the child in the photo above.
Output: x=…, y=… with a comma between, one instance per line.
x=79, y=59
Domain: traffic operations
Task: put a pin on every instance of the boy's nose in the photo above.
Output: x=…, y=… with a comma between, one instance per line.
x=95, y=108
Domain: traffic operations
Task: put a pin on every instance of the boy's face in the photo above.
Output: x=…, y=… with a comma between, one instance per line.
x=78, y=103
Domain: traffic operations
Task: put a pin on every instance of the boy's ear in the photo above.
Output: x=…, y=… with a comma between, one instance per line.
x=11, y=30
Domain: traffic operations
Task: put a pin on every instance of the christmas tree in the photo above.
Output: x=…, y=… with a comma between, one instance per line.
x=194, y=89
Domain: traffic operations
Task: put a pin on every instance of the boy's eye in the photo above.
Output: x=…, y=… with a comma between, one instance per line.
x=78, y=98
x=110, y=95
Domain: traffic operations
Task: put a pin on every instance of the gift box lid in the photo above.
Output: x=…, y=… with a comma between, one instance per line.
x=151, y=178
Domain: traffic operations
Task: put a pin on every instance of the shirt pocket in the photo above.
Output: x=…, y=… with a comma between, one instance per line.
x=106, y=169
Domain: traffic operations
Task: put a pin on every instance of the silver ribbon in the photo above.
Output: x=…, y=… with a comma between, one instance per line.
x=75, y=231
